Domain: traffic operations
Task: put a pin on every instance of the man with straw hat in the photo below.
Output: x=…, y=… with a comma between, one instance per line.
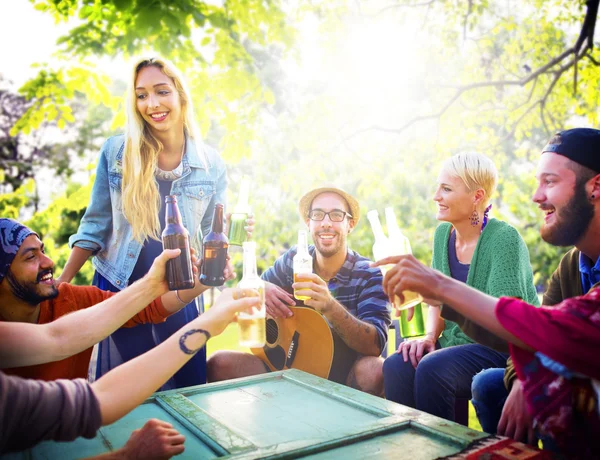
x=342, y=288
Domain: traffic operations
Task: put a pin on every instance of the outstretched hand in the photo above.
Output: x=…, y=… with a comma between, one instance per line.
x=157, y=275
x=408, y=274
x=228, y=304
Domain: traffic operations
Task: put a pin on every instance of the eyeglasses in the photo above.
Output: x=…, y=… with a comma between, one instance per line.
x=337, y=215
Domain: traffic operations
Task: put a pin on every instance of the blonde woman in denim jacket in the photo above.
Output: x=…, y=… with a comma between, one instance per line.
x=160, y=154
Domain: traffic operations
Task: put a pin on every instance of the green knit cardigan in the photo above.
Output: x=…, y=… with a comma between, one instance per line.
x=500, y=267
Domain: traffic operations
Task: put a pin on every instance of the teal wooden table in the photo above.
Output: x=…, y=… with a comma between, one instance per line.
x=281, y=415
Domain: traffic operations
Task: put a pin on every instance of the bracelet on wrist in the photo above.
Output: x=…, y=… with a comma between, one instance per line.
x=179, y=298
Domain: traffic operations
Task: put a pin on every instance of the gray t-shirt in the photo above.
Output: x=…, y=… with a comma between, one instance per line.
x=32, y=411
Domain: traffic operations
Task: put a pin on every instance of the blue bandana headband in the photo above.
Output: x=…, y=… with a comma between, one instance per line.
x=12, y=235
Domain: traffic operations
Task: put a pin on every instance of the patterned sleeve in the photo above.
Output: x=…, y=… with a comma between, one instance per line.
x=568, y=333
x=373, y=305
x=32, y=411
x=282, y=272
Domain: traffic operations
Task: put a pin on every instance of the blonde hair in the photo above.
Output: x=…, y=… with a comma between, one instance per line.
x=141, y=197
x=476, y=171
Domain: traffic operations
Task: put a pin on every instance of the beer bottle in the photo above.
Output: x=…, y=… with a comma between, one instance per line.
x=399, y=246
x=175, y=236
x=302, y=262
x=237, y=232
x=381, y=246
x=251, y=324
x=215, y=246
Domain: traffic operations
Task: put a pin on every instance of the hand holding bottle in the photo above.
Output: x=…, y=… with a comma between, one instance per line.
x=231, y=302
x=407, y=273
x=315, y=290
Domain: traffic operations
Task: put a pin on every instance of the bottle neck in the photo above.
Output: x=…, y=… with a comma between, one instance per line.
x=172, y=214
x=242, y=203
x=392, y=223
x=377, y=228
x=249, y=270
x=217, y=223
x=302, y=242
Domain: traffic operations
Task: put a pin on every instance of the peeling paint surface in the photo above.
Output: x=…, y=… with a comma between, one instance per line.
x=281, y=415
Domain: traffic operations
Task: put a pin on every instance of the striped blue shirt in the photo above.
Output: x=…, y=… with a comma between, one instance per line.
x=356, y=286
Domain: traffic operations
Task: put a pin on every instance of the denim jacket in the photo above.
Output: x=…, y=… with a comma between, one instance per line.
x=105, y=230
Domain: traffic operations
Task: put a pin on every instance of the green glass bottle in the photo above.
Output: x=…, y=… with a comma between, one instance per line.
x=237, y=232
x=416, y=326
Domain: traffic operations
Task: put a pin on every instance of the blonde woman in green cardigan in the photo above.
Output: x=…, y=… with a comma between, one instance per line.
x=432, y=372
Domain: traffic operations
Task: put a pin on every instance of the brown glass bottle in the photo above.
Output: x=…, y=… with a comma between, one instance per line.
x=215, y=246
x=175, y=236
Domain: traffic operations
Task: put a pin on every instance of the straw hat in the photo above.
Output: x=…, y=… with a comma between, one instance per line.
x=307, y=199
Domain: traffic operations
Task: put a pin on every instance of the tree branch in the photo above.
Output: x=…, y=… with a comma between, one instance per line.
x=586, y=36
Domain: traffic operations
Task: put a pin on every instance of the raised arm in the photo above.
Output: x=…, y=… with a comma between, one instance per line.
x=26, y=344
x=360, y=335
x=411, y=275
x=77, y=258
x=96, y=224
x=121, y=390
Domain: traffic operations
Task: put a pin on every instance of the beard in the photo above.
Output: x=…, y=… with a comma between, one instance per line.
x=330, y=251
x=29, y=292
x=572, y=221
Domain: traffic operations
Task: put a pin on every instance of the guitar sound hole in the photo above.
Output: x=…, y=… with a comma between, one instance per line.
x=272, y=331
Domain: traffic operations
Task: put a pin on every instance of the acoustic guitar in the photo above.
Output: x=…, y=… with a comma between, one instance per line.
x=305, y=341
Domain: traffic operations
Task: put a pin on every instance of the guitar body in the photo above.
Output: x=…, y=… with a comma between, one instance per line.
x=306, y=342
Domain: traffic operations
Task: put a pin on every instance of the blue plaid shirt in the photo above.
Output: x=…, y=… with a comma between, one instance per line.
x=356, y=286
x=590, y=274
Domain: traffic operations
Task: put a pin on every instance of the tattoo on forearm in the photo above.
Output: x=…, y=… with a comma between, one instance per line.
x=350, y=332
x=189, y=333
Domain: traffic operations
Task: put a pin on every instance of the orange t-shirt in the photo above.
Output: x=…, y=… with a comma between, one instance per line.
x=72, y=298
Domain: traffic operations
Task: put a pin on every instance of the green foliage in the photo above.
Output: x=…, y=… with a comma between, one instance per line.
x=11, y=203
x=211, y=44
x=377, y=117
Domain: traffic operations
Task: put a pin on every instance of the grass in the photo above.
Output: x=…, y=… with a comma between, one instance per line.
x=228, y=340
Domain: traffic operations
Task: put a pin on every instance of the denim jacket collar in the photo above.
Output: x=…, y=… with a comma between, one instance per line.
x=195, y=156
x=192, y=158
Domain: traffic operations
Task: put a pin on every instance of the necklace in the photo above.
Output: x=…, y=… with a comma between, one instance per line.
x=176, y=173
